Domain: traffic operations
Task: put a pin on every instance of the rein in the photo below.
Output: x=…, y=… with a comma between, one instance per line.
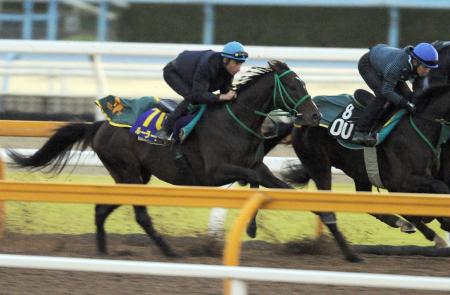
x=278, y=91
x=443, y=137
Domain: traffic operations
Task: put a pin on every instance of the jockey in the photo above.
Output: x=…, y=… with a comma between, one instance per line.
x=385, y=70
x=195, y=75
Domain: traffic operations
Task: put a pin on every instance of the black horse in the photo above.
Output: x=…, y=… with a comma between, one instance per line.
x=406, y=162
x=437, y=76
x=222, y=149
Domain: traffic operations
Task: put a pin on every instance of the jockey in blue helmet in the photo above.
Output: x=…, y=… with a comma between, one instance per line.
x=235, y=51
x=195, y=75
x=385, y=70
x=426, y=55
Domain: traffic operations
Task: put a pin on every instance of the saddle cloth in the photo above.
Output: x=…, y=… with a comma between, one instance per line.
x=123, y=112
x=145, y=116
x=340, y=113
x=151, y=121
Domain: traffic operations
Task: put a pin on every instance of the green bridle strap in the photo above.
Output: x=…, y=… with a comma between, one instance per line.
x=278, y=88
x=436, y=151
x=301, y=100
x=242, y=124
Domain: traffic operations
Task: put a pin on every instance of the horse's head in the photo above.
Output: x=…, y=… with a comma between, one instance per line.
x=290, y=94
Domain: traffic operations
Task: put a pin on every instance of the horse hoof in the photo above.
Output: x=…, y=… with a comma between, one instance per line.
x=408, y=228
x=439, y=242
x=242, y=182
x=354, y=259
x=251, y=230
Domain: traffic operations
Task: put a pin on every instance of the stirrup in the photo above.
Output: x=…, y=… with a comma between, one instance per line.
x=158, y=141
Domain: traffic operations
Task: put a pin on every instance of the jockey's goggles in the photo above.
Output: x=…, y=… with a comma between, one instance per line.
x=241, y=55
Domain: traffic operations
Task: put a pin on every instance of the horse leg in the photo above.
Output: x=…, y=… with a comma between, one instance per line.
x=428, y=233
x=322, y=178
x=424, y=184
x=329, y=219
x=445, y=224
x=101, y=213
x=319, y=169
x=145, y=221
x=389, y=219
x=227, y=173
x=395, y=222
x=266, y=179
x=129, y=172
x=252, y=226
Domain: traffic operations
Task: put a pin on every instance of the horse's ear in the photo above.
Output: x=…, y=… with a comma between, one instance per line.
x=277, y=66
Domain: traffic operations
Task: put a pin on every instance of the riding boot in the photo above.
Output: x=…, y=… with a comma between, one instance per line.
x=168, y=125
x=362, y=133
x=165, y=132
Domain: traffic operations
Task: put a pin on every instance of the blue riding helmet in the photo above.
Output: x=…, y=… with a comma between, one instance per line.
x=426, y=54
x=234, y=50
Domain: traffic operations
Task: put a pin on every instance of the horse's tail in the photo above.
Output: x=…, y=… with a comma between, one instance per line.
x=55, y=153
x=295, y=174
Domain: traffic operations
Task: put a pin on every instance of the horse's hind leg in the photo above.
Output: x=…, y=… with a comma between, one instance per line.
x=145, y=221
x=252, y=226
x=395, y=222
x=428, y=233
x=389, y=219
x=128, y=172
x=101, y=213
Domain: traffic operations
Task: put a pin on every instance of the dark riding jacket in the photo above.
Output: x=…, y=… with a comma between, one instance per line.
x=205, y=72
x=392, y=65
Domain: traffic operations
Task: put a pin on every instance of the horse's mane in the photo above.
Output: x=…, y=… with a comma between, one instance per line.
x=250, y=77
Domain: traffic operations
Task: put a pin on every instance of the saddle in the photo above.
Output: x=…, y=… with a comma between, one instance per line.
x=340, y=113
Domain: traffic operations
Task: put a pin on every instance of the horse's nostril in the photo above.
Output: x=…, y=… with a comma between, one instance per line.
x=316, y=117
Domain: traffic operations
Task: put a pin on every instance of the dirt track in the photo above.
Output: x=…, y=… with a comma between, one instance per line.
x=193, y=250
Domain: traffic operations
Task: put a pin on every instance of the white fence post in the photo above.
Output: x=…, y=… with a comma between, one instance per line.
x=238, y=287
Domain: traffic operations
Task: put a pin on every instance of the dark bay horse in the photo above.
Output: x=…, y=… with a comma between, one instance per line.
x=222, y=149
x=406, y=161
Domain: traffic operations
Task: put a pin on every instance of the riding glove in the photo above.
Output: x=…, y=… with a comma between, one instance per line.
x=410, y=107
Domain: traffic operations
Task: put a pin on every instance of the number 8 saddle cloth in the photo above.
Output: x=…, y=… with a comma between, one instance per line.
x=340, y=113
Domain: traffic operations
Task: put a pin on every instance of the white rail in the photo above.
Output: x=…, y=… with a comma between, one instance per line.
x=237, y=274
x=146, y=60
x=171, y=50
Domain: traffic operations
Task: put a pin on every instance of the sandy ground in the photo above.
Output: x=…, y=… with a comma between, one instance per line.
x=314, y=256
